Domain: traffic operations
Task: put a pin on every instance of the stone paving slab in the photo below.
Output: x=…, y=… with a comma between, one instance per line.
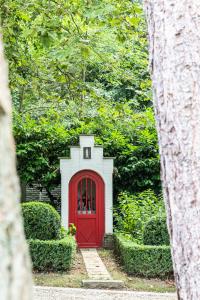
x=103, y=284
x=51, y=293
x=94, y=265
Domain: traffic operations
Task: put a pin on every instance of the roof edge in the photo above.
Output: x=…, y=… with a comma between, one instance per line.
x=82, y=134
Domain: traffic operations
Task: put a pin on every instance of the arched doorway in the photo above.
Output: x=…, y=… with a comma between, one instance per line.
x=86, y=208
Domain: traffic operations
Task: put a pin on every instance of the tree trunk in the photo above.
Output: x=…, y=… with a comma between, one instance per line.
x=174, y=36
x=15, y=271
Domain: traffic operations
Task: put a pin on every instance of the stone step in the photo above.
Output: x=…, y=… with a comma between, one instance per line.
x=101, y=283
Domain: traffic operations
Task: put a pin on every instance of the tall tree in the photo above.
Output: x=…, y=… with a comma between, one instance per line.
x=79, y=66
x=15, y=273
x=175, y=65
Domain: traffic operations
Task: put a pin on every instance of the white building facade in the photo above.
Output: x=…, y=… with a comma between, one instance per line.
x=85, y=158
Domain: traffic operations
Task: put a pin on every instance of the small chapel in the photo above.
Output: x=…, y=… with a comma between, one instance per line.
x=87, y=192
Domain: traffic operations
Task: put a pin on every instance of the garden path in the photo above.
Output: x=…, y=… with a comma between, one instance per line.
x=94, y=265
x=99, y=277
x=50, y=293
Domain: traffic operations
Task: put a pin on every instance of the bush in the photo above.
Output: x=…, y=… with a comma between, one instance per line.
x=155, y=232
x=41, y=221
x=54, y=255
x=142, y=260
x=134, y=211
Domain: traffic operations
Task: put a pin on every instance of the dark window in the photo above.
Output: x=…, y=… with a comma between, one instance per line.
x=86, y=152
x=86, y=196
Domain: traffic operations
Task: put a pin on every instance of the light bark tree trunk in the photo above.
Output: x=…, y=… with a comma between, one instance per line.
x=174, y=40
x=15, y=270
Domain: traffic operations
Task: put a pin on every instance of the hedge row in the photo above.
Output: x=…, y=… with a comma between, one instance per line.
x=142, y=260
x=155, y=232
x=54, y=255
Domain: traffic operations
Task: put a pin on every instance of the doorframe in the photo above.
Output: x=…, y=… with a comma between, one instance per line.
x=72, y=213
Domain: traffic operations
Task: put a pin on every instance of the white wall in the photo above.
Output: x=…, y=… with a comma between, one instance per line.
x=76, y=162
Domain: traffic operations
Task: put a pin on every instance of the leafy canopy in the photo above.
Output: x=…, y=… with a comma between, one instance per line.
x=80, y=67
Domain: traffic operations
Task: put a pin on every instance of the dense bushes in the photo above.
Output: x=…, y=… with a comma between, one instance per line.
x=143, y=244
x=54, y=255
x=134, y=211
x=41, y=221
x=50, y=247
x=155, y=232
x=142, y=260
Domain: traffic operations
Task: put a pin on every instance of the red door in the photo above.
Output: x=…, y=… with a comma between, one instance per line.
x=86, y=208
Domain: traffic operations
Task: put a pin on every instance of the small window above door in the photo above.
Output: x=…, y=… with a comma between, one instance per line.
x=87, y=152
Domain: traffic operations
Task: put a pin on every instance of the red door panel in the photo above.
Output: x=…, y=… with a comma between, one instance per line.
x=86, y=208
x=87, y=232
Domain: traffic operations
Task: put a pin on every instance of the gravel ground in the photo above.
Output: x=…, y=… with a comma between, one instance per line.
x=51, y=293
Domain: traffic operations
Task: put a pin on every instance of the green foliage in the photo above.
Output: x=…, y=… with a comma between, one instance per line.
x=142, y=260
x=75, y=50
x=132, y=141
x=63, y=232
x=54, y=255
x=134, y=211
x=131, y=138
x=43, y=232
x=80, y=67
x=41, y=221
x=155, y=232
x=43, y=140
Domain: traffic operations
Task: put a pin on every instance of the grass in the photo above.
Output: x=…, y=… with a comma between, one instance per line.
x=131, y=282
x=73, y=278
x=78, y=273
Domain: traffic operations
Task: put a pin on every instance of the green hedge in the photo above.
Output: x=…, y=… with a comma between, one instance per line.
x=142, y=260
x=41, y=221
x=155, y=232
x=54, y=255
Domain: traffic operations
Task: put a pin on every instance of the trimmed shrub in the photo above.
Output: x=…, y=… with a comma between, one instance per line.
x=54, y=255
x=142, y=260
x=41, y=221
x=63, y=232
x=155, y=232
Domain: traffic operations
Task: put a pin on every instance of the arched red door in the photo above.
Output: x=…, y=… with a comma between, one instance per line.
x=86, y=208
